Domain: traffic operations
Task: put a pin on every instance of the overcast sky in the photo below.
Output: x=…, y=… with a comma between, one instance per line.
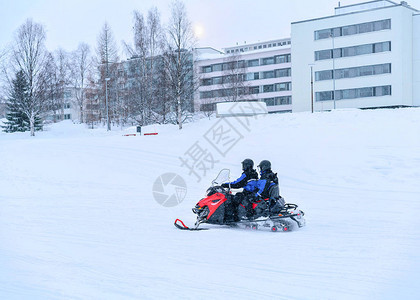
x=220, y=23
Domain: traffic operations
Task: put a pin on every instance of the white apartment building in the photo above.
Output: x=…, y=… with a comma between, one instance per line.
x=366, y=55
x=266, y=71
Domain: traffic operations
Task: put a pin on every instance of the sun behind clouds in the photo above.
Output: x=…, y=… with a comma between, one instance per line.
x=198, y=30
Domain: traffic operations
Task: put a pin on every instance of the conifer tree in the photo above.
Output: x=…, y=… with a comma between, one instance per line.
x=17, y=120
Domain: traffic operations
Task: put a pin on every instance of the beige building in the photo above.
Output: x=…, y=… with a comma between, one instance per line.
x=255, y=72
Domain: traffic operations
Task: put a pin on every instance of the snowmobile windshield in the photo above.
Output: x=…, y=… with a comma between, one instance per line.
x=222, y=177
x=214, y=189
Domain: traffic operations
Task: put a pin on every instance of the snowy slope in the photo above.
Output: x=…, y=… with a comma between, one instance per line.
x=78, y=219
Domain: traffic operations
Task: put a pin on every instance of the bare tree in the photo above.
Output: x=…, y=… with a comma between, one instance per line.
x=142, y=49
x=143, y=67
x=207, y=108
x=107, y=55
x=163, y=94
x=155, y=45
x=64, y=77
x=28, y=55
x=3, y=55
x=80, y=68
x=92, y=99
x=50, y=84
x=178, y=58
x=234, y=81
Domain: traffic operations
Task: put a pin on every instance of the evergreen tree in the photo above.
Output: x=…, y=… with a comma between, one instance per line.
x=16, y=119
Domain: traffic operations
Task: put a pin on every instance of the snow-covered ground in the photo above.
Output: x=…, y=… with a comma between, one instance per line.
x=78, y=219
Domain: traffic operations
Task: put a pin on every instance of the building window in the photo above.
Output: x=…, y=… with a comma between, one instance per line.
x=268, y=88
x=323, y=75
x=206, y=94
x=253, y=63
x=353, y=72
x=283, y=86
x=324, y=96
x=280, y=59
x=254, y=90
x=323, y=54
x=206, y=69
x=206, y=81
x=267, y=61
x=353, y=51
x=353, y=29
x=283, y=72
x=219, y=93
x=375, y=91
x=252, y=76
x=322, y=34
x=285, y=100
x=217, y=67
x=208, y=107
x=268, y=74
x=218, y=80
x=382, y=47
x=67, y=117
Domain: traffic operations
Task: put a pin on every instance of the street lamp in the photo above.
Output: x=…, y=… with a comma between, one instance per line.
x=333, y=61
x=108, y=124
x=312, y=88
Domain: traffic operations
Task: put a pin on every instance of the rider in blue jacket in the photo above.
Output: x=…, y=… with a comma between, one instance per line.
x=267, y=180
x=249, y=174
x=247, y=181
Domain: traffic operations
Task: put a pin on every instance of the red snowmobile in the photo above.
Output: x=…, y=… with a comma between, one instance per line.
x=217, y=208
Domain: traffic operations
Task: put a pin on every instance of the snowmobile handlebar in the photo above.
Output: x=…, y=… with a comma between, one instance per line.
x=217, y=189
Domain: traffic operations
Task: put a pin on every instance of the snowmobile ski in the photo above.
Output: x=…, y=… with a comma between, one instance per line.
x=182, y=226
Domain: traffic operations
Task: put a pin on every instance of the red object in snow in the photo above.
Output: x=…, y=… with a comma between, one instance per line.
x=213, y=202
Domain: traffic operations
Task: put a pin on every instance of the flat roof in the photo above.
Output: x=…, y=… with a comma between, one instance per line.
x=357, y=12
x=373, y=1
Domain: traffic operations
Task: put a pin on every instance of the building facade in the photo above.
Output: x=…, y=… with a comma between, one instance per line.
x=366, y=55
x=253, y=72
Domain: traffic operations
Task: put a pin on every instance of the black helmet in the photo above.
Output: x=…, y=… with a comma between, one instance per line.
x=247, y=164
x=264, y=165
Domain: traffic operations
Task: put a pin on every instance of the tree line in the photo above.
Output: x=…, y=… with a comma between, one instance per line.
x=154, y=85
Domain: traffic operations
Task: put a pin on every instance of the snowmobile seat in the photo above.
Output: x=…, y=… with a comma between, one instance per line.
x=276, y=201
x=274, y=195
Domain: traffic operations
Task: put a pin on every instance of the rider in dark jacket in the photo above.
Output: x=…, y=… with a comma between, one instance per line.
x=267, y=180
x=249, y=173
x=247, y=181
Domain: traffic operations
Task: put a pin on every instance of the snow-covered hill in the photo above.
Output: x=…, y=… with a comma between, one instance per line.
x=78, y=218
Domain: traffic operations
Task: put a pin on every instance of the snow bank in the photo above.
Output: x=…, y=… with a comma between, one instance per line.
x=241, y=109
